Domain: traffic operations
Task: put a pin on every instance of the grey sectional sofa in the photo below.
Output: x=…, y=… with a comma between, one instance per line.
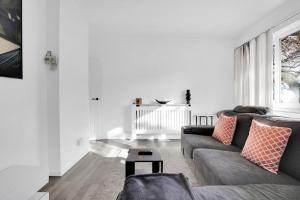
x=222, y=172
x=225, y=174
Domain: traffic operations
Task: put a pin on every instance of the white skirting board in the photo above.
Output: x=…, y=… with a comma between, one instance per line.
x=40, y=196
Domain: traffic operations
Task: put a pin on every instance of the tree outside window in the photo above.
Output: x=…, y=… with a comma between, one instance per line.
x=290, y=68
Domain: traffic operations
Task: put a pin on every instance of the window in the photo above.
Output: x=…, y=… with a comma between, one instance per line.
x=287, y=68
x=290, y=68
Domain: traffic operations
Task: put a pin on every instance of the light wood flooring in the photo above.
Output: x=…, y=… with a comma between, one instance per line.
x=100, y=174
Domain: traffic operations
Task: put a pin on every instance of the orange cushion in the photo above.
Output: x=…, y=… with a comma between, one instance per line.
x=224, y=129
x=265, y=145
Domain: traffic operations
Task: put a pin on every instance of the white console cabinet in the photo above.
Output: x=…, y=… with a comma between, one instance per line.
x=160, y=119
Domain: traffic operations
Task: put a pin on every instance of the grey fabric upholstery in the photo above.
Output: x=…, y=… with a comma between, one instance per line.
x=156, y=187
x=191, y=142
x=198, y=130
x=251, y=109
x=226, y=112
x=290, y=161
x=246, y=110
x=242, y=130
x=247, y=192
x=243, y=124
x=230, y=168
x=192, y=136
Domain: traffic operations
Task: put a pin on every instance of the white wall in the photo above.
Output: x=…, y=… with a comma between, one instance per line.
x=53, y=89
x=158, y=67
x=73, y=83
x=275, y=18
x=67, y=85
x=23, y=138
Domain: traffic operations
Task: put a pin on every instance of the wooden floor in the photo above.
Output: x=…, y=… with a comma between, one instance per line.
x=100, y=174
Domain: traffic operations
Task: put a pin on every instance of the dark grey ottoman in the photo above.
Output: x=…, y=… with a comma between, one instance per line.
x=156, y=187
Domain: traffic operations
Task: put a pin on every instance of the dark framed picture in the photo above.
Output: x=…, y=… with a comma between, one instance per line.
x=11, y=61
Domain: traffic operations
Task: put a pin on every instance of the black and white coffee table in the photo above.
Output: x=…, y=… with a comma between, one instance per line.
x=133, y=157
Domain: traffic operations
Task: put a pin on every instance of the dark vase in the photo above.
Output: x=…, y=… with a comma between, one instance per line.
x=188, y=97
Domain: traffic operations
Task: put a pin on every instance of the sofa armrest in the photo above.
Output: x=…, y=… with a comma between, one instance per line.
x=198, y=130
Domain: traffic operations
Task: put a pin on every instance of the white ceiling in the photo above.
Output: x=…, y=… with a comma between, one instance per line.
x=228, y=18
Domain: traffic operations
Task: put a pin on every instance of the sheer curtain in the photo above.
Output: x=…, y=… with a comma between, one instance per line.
x=253, y=72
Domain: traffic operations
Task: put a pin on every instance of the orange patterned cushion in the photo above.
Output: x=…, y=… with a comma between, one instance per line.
x=265, y=145
x=224, y=129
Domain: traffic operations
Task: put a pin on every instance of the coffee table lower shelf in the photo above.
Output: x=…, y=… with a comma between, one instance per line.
x=157, y=167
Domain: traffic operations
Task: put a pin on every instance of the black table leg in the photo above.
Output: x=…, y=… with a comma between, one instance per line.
x=162, y=167
x=211, y=120
x=155, y=167
x=129, y=168
x=190, y=116
x=200, y=121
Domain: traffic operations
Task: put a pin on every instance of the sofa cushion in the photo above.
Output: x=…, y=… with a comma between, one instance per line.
x=230, y=168
x=247, y=192
x=191, y=142
x=225, y=129
x=242, y=127
x=290, y=162
x=265, y=145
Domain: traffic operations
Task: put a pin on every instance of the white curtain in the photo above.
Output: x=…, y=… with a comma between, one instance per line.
x=253, y=72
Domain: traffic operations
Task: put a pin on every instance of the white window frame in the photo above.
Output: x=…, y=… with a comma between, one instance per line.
x=277, y=36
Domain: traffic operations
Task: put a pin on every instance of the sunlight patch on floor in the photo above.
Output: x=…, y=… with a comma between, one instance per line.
x=122, y=161
x=110, y=151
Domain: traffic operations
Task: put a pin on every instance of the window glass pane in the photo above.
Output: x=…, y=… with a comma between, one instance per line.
x=290, y=68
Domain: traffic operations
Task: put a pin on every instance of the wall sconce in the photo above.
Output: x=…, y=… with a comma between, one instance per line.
x=50, y=59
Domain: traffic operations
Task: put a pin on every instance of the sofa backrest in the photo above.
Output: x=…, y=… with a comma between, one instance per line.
x=243, y=124
x=259, y=110
x=242, y=129
x=290, y=161
x=251, y=109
